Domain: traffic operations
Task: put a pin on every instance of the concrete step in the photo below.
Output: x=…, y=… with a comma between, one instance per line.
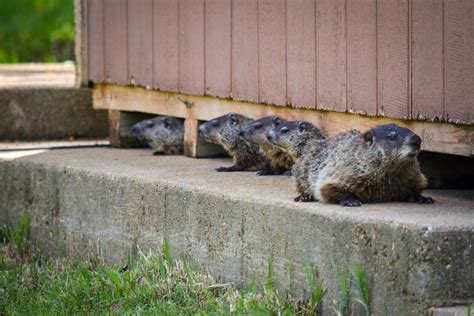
x=40, y=102
x=416, y=256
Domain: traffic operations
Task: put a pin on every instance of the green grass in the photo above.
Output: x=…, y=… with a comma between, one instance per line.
x=36, y=31
x=31, y=284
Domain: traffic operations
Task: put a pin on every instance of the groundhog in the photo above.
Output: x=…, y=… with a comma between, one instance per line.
x=165, y=134
x=225, y=131
x=293, y=138
x=255, y=133
x=379, y=165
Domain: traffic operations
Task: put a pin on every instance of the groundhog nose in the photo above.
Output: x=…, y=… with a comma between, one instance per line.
x=242, y=131
x=134, y=130
x=269, y=135
x=415, y=141
x=201, y=129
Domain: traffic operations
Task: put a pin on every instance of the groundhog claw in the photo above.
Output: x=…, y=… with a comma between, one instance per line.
x=351, y=203
x=420, y=199
x=304, y=197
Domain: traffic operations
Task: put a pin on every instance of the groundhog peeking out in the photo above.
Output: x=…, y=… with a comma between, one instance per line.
x=352, y=168
x=165, y=134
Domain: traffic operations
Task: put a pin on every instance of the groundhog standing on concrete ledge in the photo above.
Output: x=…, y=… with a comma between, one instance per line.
x=165, y=134
x=379, y=165
x=255, y=133
x=225, y=131
x=299, y=140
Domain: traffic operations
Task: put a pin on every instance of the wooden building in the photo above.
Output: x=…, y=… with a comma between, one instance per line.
x=338, y=63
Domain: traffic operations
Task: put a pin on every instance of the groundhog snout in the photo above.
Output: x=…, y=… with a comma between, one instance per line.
x=243, y=131
x=202, y=129
x=135, y=130
x=270, y=135
x=415, y=142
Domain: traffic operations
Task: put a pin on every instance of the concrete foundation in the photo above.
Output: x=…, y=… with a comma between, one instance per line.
x=416, y=256
x=49, y=113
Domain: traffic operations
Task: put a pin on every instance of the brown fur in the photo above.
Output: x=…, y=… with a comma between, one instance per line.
x=165, y=134
x=254, y=133
x=355, y=168
x=225, y=131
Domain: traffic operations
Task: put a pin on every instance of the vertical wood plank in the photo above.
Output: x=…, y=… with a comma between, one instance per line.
x=191, y=46
x=362, y=56
x=393, y=58
x=218, y=47
x=165, y=45
x=95, y=40
x=427, y=59
x=272, y=51
x=245, y=50
x=301, y=52
x=459, y=71
x=331, y=54
x=115, y=29
x=140, y=43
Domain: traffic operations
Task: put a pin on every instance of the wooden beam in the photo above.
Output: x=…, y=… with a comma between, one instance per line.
x=447, y=138
x=80, y=20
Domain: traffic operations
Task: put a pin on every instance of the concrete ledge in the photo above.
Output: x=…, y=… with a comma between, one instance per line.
x=49, y=113
x=416, y=256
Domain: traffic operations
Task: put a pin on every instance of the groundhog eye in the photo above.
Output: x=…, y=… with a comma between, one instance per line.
x=258, y=126
x=150, y=124
x=284, y=130
x=214, y=123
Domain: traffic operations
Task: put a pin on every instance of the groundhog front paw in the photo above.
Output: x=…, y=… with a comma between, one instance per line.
x=351, y=203
x=304, y=197
x=420, y=199
x=158, y=153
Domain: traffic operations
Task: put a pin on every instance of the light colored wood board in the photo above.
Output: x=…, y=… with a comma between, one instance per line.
x=218, y=47
x=331, y=55
x=427, y=59
x=272, y=51
x=190, y=137
x=115, y=33
x=81, y=51
x=301, y=53
x=245, y=50
x=393, y=58
x=459, y=49
x=95, y=40
x=165, y=45
x=362, y=56
x=437, y=137
x=140, y=42
x=191, y=46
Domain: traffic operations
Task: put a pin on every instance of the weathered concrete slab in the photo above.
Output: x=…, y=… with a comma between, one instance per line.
x=49, y=113
x=416, y=256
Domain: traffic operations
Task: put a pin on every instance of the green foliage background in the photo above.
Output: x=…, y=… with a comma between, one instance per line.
x=36, y=31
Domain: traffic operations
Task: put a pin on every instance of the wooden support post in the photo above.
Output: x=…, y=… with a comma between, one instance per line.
x=120, y=132
x=195, y=146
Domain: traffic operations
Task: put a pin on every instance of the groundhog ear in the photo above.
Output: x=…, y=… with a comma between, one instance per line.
x=302, y=126
x=277, y=121
x=368, y=137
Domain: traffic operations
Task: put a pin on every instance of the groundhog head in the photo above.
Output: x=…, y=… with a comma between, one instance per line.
x=292, y=135
x=161, y=133
x=393, y=141
x=256, y=131
x=217, y=130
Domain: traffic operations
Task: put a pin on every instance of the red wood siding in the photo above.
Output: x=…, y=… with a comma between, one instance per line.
x=398, y=58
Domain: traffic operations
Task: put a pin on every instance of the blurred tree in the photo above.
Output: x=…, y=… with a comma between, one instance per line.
x=36, y=31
